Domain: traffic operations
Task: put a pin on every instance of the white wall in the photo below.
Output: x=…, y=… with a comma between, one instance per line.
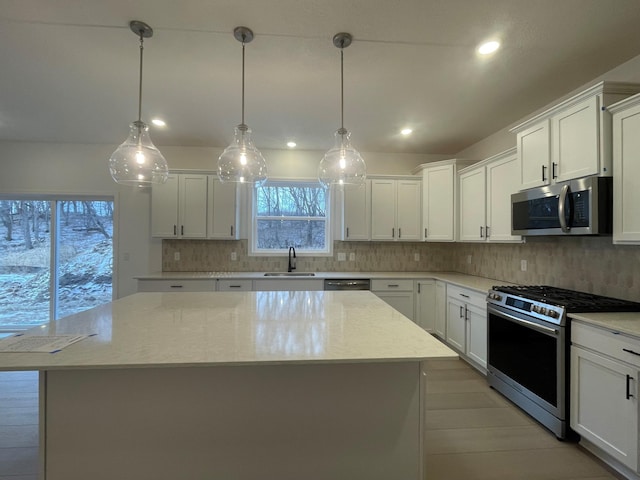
x=49, y=168
x=503, y=140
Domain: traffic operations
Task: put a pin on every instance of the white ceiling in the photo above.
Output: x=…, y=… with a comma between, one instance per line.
x=69, y=68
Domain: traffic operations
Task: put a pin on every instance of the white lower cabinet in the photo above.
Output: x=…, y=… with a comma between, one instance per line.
x=425, y=310
x=604, y=392
x=396, y=292
x=288, y=284
x=440, y=328
x=229, y=285
x=466, y=327
x=179, y=285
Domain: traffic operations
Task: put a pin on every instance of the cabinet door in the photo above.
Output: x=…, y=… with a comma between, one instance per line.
x=456, y=324
x=438, y=197
x=401, y=301
x=440, y=328
x=502, y=181
x=356, y=212
x=534, y=154
x=193, y=206
x=477, y=334
x=222, y=209
x=626, y=175
x=472, y=206
x=575, y=139
x=164, y=208
x=408, y=210
x=426, y=307
x=383, y=209
x=604, y=405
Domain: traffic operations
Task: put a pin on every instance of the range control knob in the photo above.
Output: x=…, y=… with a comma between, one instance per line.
x=543, y=311
x=552, y=314
x=535, y=308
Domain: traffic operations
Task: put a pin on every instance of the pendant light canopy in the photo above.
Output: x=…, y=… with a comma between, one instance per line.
x=242, y=161
x=137, y=162
x=342, y=165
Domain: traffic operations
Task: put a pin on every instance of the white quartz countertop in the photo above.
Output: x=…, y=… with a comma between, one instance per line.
x=480, y=284
x=623, y=322
x=233, y=328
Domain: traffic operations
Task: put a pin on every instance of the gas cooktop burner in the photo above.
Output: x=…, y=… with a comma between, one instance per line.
x=573, y=301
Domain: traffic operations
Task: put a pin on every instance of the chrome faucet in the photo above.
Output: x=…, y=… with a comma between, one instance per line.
x=292, y=260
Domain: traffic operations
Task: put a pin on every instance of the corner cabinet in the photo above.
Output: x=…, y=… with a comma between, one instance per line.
x=396, y=292
x=179, y=207
x=467, y=324
x=356, y=212
x=626, y=171
x=395, y=209
x=572, y=139
x=604, y=393
x=439, y=199
x=485, y=199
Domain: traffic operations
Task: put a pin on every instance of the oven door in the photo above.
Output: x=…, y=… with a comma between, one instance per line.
x=529, y=356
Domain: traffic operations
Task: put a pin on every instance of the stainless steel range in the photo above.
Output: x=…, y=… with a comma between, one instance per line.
x=528, y=346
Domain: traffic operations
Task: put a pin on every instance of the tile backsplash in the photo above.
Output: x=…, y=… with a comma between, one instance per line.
x=589, y=264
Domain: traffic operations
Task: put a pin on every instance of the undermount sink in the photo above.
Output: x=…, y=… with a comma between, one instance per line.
x=289, y=274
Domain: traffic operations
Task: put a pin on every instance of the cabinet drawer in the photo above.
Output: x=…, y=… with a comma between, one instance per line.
x=606, y=342
x=467, y=296
x=229, y=285
x=386, y=285
x=195, y=285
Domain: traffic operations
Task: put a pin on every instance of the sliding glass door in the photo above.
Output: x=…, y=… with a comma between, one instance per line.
x=56, y=258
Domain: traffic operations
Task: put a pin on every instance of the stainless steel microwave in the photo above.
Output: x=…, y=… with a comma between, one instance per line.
x=576, y=207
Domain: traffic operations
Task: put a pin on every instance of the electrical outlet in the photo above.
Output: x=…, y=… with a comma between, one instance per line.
x=342, y=256
x=234, y=256
x=468, y=259
x=176, y=256
x=416, y=257
x=352, y=257
x=523, y=265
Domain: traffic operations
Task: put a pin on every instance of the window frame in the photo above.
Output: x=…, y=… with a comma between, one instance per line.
x=253, y=220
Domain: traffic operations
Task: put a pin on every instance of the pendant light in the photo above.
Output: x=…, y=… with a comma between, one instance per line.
x=342, y=165
x=137, y=162
x=242, y=161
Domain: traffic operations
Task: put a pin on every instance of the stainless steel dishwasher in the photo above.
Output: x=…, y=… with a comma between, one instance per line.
x=347, y=284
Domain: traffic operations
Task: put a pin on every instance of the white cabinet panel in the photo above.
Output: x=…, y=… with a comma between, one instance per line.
x=408, y=210
x=356, y=204
x=467, y=324
x=180, y=285
x=383, y=209
x=472, y=205
x=534, y=154
x=287, y=284
x=426, y=307
x=223, y=209
x=396, y=210
x=626, y=171
x=179, y=207
x=441, y=309
x=164, y=208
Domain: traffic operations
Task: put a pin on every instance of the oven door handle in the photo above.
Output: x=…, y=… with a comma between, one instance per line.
x=532, y=325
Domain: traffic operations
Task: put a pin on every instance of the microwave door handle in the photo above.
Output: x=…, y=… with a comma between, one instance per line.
x=562, y=205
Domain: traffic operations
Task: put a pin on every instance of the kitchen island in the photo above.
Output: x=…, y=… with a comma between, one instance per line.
x=241, y=385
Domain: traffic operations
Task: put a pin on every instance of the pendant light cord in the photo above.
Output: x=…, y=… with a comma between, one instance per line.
x=140, y=84
x=342, y=88
x=243, y=81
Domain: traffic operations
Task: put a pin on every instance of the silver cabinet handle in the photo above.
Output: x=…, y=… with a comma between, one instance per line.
x=175, y=229
x=425, y=233
x=399, y=233
x=630, y=351
x=393, y=232
x=486, y=229
x=553, y=170
x=466, y=313
x=395, y=285
x=629, y=395
x=181, y=229
x=463, y=295
x=232, y=230
x=235, y=286
x=347, y=232
x=544, y=167
x=461, y=307
x=177, y=286
x=562, y=204
x=481, y=232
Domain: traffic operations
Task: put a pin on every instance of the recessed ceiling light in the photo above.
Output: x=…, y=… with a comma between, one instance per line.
x=158, y=123
x=488, y=47
x=406, y=131
x=291, y=144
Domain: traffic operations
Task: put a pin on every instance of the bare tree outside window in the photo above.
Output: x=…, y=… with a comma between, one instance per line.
x=291, y=214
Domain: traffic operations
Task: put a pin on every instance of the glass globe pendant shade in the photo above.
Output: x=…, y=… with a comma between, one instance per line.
x=137, y=161
x=242, y=161
x=342, y=164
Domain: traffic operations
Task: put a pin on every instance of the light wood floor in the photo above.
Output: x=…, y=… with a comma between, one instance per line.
x=473, y=433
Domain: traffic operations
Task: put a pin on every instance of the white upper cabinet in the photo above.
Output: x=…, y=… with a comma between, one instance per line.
x=439, y=199
x=485, y=199
x=356, y=212
x=572, y=139
x=626, y=171
x=222, y=219
x=179, y=207
x=395, y=209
